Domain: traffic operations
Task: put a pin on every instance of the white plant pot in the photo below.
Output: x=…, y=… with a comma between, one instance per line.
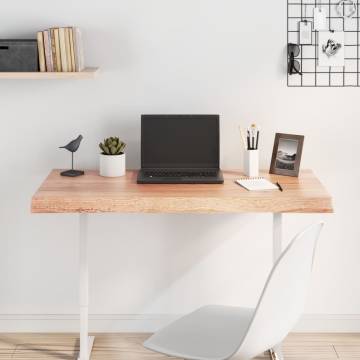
x=112, y=165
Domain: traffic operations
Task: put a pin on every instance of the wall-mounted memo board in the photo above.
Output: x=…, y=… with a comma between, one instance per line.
x=312, y=74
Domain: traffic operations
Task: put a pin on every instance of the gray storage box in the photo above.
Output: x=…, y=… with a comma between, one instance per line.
x=19, y=55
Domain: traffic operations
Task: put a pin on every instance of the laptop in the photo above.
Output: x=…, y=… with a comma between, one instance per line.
x=180, y=149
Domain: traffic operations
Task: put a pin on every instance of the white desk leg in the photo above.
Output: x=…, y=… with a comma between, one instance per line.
x=277, y=236
x=276, y=352
x=86, y=341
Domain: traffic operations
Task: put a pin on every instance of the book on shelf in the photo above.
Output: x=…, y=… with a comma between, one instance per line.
x=72, y=54
x=40, y=41
x=48, y=51
x=60, y=50
x=62, y=40
x=57, y=49
x=53, y=50
x=79, y=50
x=67, y=47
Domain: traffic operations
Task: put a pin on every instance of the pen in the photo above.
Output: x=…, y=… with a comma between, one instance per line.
x=248, y=140
x=257, y=139
x=280, y=187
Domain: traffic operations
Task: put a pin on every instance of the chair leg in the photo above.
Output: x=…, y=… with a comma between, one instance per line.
x=276, y=353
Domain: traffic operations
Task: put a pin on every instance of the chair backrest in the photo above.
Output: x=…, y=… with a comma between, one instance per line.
x=283, y=298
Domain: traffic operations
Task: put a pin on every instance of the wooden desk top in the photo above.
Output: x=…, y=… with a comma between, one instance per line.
x=92, y=193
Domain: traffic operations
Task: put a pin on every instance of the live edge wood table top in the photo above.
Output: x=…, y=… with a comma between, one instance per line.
x=92, y=193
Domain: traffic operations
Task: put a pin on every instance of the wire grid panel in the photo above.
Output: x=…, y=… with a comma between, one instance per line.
x=312, y=74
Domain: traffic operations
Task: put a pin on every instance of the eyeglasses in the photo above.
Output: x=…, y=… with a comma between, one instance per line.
x=293, y=65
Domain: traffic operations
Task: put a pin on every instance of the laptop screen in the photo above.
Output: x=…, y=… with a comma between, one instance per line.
x=180, y=141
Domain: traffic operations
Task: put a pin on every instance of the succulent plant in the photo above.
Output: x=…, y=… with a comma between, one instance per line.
x=112, y=146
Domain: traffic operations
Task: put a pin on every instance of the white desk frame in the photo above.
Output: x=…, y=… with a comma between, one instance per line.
x=86, y=341
x=94, y=194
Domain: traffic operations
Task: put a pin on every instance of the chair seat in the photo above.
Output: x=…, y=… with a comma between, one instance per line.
x=209, y=333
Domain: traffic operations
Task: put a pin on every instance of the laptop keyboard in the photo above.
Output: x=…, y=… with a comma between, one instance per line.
x=178, y=174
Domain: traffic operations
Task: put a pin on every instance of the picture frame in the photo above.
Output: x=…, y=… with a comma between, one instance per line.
x=286, y=156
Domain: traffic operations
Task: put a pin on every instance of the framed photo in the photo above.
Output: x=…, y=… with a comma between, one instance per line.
x=286, y=156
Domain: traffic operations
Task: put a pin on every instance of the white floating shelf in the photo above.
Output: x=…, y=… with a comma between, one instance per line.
x=87, y=73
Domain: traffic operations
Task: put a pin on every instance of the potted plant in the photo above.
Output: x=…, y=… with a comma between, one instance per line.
x=112, y=157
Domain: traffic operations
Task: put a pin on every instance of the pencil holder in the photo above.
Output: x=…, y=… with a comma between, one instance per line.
x=251, y=163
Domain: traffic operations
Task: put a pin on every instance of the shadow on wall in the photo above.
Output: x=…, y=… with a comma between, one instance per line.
x=122, y=56
x=282, y=63
x=151, y=264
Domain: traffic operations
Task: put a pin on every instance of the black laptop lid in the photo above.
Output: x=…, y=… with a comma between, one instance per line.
x=180, y=141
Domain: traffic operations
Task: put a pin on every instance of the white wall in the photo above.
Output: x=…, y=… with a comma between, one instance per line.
x=161, y=56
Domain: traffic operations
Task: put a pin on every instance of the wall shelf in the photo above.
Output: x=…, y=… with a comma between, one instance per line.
x=87, y=73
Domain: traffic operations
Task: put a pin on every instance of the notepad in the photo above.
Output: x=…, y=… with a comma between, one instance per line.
x=256, y=184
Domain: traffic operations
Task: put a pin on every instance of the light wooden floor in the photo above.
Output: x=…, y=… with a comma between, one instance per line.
x=129, y=347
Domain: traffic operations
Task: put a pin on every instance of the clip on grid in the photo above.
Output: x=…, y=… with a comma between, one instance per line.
x=312, y=74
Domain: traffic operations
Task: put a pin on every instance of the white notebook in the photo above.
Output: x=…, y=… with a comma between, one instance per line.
x=256, y=184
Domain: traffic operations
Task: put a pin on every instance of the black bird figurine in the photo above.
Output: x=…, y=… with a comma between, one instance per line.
x=72, y=146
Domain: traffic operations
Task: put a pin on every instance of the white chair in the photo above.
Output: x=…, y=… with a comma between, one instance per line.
x=219, y=332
